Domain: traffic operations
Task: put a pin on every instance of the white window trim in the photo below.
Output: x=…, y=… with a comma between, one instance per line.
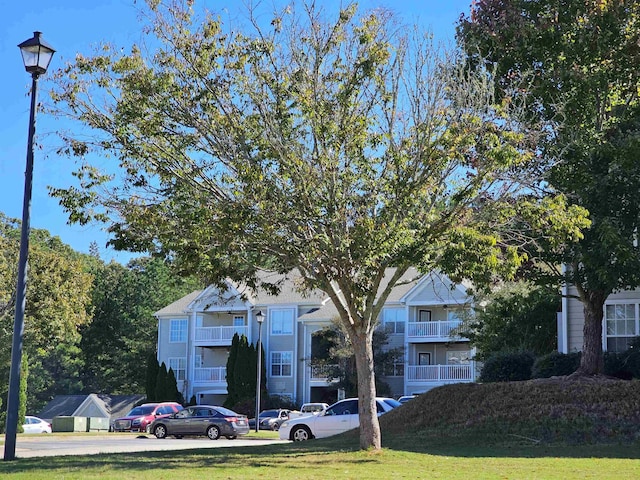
x=174, y=321
x=281, y=333
x=271, y=364
x=180, y=366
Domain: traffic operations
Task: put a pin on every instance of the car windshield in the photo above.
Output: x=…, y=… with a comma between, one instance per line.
x=143, y=410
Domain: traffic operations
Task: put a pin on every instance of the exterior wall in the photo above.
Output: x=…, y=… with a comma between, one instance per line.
x=439, y=298
x=575, y=322
x=573, y=316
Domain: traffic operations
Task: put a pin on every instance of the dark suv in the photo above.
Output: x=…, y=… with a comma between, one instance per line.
x=138, y=418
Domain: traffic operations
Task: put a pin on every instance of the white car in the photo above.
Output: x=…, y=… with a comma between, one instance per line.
x=35, y=425
x=338, y=418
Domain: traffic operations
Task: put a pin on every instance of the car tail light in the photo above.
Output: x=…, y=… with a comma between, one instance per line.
x=231, y=419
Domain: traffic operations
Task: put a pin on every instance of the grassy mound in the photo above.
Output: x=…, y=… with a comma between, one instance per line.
x=571, y=410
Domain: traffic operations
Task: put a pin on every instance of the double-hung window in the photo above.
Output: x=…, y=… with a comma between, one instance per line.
x=179, y=366
x=178, y=330
x=621, y=320
x=281, y=321
x=394, y=319
x=281, y=364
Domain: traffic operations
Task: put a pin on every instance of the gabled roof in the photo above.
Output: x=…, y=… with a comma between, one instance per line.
x=241, y=296
x=179, y=307
x=68, y=405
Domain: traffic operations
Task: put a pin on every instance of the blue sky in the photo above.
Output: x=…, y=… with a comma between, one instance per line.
x=72, y=26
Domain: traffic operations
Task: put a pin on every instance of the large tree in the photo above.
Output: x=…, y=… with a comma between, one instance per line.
x=122, y=333
x=348, y=149
x=57, y=306
x=574, y=63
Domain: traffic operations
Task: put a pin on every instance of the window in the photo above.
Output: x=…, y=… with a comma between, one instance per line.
x=179, y=365
x=424, y=315
x=424, y=358
x=394, y=319
x=462, y=357
x=621, y=326
x=281, y=321
x=281, y=363
x=178, y=330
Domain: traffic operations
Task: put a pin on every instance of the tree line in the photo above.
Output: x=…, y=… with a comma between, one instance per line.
x=89, y=325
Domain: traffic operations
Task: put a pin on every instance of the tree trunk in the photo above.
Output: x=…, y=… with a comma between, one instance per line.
x=369, y=426
x=592, y=361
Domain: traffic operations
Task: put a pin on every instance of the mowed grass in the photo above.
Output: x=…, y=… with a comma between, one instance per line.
x=560, y=429
x=333, y=459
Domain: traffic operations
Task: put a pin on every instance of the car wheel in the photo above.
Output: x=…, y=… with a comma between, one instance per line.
x=231, y=437
x=213, y=432
x=160, y=431
x=300, y=434
x=275, y=427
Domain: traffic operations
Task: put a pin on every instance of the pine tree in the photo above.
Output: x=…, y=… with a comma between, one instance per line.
x=153, y=367
x=161, y=383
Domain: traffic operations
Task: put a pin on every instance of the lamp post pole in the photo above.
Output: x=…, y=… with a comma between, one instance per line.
x=259, y=319
x=36, y=55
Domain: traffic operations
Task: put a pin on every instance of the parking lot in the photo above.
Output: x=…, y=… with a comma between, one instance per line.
x=57, y=445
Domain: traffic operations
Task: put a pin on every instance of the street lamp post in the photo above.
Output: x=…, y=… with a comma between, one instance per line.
x=259, y=319
x=36, y=55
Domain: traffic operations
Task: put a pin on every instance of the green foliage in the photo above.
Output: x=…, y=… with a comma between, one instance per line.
x=338, y=146
x=152, y=376
x=57, y=305
x=241, y=375
x=556, y=364
x=162, y=383
x=122, y=334
x=331, y=349
x=507, y=367
x=517, y=316
x=22, y=395
x=276, y=401
x=173, y=394
x=574, y=65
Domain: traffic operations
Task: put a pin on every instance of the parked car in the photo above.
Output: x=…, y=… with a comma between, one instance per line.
x=140, y=417
x=338, y=418
x=308, y=409
x=212, y=421
x=270, y=419
x=35, y=425
x=406, y=398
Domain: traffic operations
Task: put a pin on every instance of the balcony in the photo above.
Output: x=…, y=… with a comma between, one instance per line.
x=439, y=373
x=210, y=375
x=218, y=336
x=437, y=331
x=322, y=373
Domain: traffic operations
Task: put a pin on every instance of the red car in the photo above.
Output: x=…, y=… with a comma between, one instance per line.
x=141, y=416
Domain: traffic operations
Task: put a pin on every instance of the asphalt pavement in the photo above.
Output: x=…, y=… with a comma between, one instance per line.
x=44, y=445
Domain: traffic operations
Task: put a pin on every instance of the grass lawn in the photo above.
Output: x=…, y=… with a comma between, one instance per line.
x=338, y=457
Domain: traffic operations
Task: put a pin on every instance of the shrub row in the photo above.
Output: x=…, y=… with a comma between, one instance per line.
x=515, y=366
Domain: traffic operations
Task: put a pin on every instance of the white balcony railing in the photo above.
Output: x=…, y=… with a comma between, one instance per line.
x=439, y=373
x=439, y=329
x=219, y=335
x=211, y=374
x=321, y=372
